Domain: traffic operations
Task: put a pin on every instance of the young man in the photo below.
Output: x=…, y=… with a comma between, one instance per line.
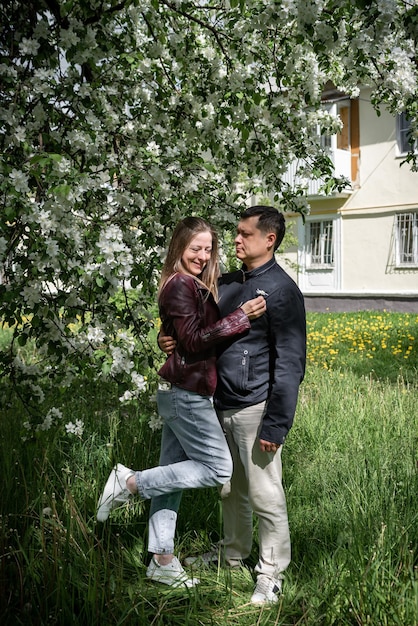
x=259, y=374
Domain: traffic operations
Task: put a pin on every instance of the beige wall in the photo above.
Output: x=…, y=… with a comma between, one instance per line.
x=382, y=181
x=368, y=214
x=367, y=218
x=368, y=257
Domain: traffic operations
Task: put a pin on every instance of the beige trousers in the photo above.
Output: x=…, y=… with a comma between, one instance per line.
x=255, y=487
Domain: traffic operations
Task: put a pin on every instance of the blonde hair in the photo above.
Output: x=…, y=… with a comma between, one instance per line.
x=183, y=233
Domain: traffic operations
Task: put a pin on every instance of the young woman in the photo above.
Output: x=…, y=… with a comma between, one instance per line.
x=194, y=452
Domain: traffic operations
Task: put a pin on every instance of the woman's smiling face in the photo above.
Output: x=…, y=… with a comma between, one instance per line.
x=197, y=253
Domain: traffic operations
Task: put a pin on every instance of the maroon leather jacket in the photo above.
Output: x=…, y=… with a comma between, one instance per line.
x=190, y=314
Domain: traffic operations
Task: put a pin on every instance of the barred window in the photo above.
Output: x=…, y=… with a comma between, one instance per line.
x=321, y=244
x=407, y=238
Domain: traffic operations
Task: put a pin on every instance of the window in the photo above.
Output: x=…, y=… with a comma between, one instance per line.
x=405, y=143
x=407, y=238
x=320, y=244
x=326, y=142
x=341, y=140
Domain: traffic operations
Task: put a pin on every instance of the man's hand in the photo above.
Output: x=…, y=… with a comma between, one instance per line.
x=268, y=446
x=166, y=343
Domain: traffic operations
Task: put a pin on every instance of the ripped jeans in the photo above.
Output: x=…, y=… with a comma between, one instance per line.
x=194, y=454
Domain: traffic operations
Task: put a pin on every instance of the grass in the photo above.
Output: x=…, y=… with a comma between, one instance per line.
x=351, y=476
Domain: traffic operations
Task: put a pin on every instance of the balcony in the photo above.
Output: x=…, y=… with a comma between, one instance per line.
x=341, y=160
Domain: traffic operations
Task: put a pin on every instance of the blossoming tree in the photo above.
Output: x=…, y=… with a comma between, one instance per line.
x=120, y=117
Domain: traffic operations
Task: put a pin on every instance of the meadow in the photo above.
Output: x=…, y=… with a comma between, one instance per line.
x=351, y=477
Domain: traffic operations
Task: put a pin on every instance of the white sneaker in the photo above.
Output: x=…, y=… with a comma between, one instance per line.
x=115, y=492
x=172, y=574
x=265, y=590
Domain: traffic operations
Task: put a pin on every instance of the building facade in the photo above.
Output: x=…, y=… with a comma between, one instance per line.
x=359, y=249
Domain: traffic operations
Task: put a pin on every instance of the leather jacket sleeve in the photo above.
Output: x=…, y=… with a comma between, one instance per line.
x=182, y=311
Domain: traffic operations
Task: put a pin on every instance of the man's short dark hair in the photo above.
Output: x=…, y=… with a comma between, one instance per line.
x=269, y=220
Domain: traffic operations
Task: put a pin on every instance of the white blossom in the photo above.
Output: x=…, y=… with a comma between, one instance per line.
x=53, y=250
x=138, y=381
x=31, y=294
x=49, y=419
x=139, y=384
x=153, y=148
x=43, y=219
x=403, y=77
x=387, y=7
x=28, y=47
x=20, y=134
x=36, y=392
x=76, y=428
x=7, y=70
x=121, y=361
x=68, y=38
x=155, y=422
x=55, y=413
x=95, y=335
x=20, y=181
x=79, y=140
x=46, y=424
x=63, y=166
x=127, y=396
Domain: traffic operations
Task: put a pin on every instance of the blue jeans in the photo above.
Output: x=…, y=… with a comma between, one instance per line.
x=194, y=454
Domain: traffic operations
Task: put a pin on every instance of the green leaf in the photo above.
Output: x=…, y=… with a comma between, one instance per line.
x=61, y=190
x=244, y=133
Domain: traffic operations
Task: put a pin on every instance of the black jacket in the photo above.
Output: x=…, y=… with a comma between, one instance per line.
x=268, y=361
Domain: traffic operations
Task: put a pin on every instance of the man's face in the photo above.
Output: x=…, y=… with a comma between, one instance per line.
x=253, y=247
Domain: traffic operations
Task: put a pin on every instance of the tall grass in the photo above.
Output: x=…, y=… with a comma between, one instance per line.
x=351, y=476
